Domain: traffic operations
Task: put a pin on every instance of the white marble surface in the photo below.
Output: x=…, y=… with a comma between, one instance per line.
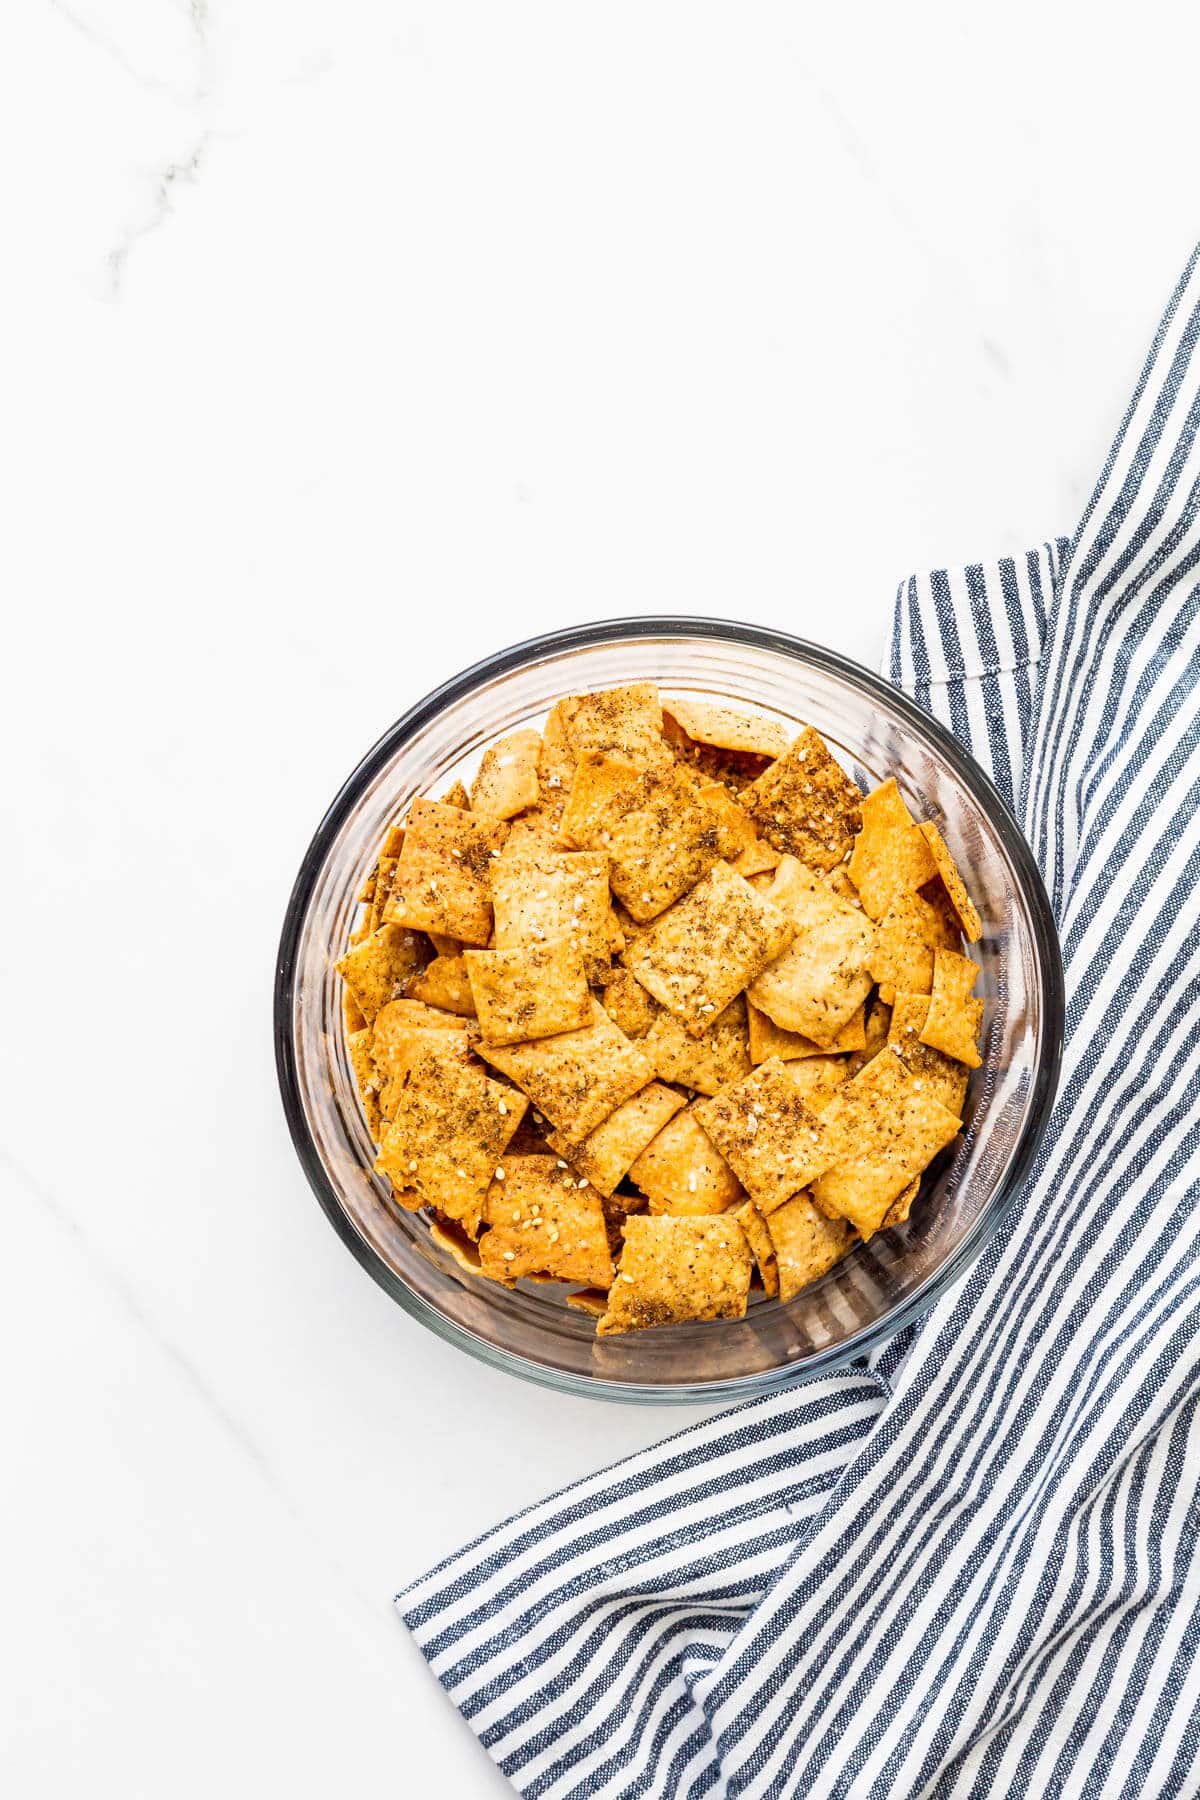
x=344, y=342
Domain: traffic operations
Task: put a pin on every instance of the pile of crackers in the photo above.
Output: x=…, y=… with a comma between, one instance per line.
x=665, y=1008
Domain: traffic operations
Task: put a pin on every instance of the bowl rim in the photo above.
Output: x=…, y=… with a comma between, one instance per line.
x=964, y=767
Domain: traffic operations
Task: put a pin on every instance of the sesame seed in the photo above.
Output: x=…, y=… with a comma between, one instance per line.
x=751, y=1121
x=510, y=1256
x=628, y=1278
x=499, y=1174
x=554, y=781
x=517, y=1216
x=646, y=900
x=412, y=1167
x=552, y=1234
x=691, y=1184
x=582, y=1182
x=502, y=1106
x=560, y=1164
x=461, y=1173
x=535, y=1208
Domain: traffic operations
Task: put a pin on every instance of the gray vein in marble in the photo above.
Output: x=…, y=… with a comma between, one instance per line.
x=165, y=185
x=150, y=84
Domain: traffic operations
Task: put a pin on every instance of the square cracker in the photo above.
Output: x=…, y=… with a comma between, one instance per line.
x=890, y=856
x=507, y=781
x=659, y=836
x=945, y=1078
x=885, y=1130
x=451, y=1126
x=726, y=728
x=703, y=950
x=603, y=789
x=673, y=1270
x=378, y=969
x=706, y=1063
x=806, y=804
x=442, y=881
x=806, y=1243
x=768, y=1039
x=953, y=883
x=818, y=1078
x=681, y=1170
x=542, y=1223
x=774, y=1143
x=608, y=1152
x=625, y=721
x=761, y=1246
x=953, y=1022
x=628, y=1004
x=552, y=894
x=397, y=1044
x=735, y=827
x=533, y=991
x=822, y=979
x=908, y=934
x=443, y=983
x=577, y=1077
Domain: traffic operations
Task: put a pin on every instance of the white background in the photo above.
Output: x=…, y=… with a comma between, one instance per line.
x=345, y=341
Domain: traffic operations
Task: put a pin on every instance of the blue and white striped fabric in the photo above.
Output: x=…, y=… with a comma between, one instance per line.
x=972, y=1567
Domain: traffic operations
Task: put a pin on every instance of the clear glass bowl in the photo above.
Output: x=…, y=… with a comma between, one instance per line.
x=884, y=1283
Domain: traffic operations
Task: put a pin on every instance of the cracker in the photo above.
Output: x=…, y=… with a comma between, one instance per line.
x=879, y=1017
x=758, y=858
x=443, y=877
x=806, y=804
x=907, y=936
x=628, y=1004
x=890, y=856
x=774, y=1143
x=735, y=827
x=704, y=1063
x=443, y=983
x=507, y=781
x=603, y=789
x=605, y=1156
x=953, y=1022
x=533, y=991
x=542, y=1223
x=885, y=1130
x=455, y=795
x=577, y=1077
x=822, y=979
x=681, y=1170
x=352, y=1013
x=366, y=1078
x=945, y=1078
x=593, y=1301
x=726, y=728
x=673, y=1270
x=662, y=848
x=768, y=1039
x=705, y=949
x=451, y=1125
x=398, y=1048
x=443, y=945
x=762, y=1249
x=451, y=1236
x=806, y=1244
x=817, y=1078
x=378, y=969
x=622, y=721
x=901, y=1206
x=381, y=888
x=953, y=883
x=553, y=894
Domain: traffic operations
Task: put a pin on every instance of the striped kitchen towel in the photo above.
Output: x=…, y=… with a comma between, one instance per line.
x=970, y=1566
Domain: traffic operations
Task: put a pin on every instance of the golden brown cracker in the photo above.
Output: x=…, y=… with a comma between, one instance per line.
x=758, y=858
x=953, y=1022
x=603, y=789
x=533, y=991
x=577, y=1077
x=673, y=1270
x=450, y=1126
x=806, y=1244
x=768, y=1039
x=735, y=828
x=817, y=1078
x=366, y=1077
x=621, y=721
x=953, y=883
x=771, y=1139
x=946, y=1079
x=885, y=1130
x=443, y=983
x=541, y=1222
x=909, y=932
x=378, y=969
x=443, y=879
x=507, y=781
x=727, y=727
x=704, y=950
x=682, y=1171
x=890, y=856
x=762, y=1249
x=805, y=803
x=605, y=1156
x=702, y=1063
x=628, y=1004
x=456, y=795
x=554, y=894
x=593, y=1301
x=822, y=978
x=901, y=1206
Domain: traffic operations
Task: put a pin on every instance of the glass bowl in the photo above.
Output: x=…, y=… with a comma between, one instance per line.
x=883, y=1283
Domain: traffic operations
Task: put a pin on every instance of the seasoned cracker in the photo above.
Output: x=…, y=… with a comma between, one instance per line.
x=736, y=832
x=605, y=1156
x=953, y=1022
x=450, y=1127
x=542, y=1223
x=806, y=1244
x=593, y=1301
x=901, y=1206
x=459, y=1245
x=762, y=1248
x=767, y=1039
x=379, y=968
x=366, y=1077
x=772, y=1140
x=705, y=949
x=945, y=1078
x=381, y=888
x=533, y=991
x=673, y=1270
x=397, y=1046
x=879, y=1017
x=758, y=858
x=456, y=795
x=507, y=781
x=603, y=789
x=953, y=883
x=885, y=1130
x=443, y=983
x=628, y=1004
x=822, y=979
x=705, y=1063
x=907, y=936
x=577, y=1077
x=661, y=849
x=726, y=728
x=553, y=894
x=890, y=856
x=681, y=1171
x=443, y=878
x=806, y=804
x=622, y=721
x=817, y=1078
